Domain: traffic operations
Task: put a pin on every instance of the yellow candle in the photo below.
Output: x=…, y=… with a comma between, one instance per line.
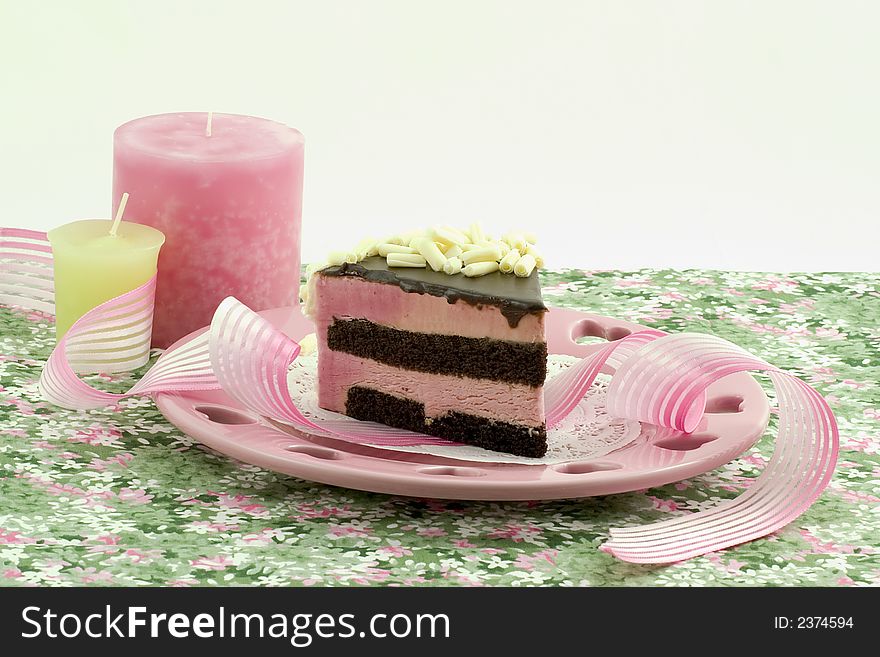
x=96, y=260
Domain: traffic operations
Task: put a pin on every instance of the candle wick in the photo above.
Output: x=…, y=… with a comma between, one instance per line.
x=210, y=124
x=119, y=213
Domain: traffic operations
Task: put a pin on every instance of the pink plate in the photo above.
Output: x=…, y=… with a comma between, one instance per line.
x=737, y=413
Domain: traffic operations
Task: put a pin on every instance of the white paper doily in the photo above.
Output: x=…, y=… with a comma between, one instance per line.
x=586, y=433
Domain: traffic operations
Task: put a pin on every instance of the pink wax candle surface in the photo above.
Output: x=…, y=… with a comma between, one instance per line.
x=229, y=201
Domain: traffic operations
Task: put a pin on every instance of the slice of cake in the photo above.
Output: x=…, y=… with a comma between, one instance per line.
x=458, y=356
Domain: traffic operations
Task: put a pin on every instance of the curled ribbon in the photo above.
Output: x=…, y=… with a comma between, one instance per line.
x=659, y=378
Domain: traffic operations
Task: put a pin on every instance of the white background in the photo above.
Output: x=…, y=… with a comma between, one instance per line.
x=627, y=134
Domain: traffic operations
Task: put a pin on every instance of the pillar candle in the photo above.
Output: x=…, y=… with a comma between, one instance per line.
x=226, y=190
x=93, y=266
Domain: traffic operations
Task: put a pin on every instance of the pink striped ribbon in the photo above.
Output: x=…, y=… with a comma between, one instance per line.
x=659, y=378
x=26, y=270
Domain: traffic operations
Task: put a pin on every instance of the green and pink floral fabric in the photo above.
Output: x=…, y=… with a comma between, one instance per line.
x=121, y=497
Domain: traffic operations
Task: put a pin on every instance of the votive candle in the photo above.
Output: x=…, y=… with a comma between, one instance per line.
x=93, y=265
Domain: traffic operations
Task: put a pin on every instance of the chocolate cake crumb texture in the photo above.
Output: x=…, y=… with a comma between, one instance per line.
x=371, y=405
x=479, y=358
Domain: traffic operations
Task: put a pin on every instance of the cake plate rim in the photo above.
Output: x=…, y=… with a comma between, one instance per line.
x=740, y=414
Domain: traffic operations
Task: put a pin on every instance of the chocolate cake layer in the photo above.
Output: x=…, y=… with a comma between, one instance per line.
x=374, y=406
x=479, y=358
x=515, y=297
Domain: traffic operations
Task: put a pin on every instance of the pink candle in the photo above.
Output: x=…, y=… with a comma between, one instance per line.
x=226, y=191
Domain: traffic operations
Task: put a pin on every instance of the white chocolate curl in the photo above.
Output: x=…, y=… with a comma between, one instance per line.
x=453, y=251
x=448, y=236
x=336, y=257
x=532, y=250
x=508, y=261
x=452, y=266
x=387, y=248
x=480, y=268
x=426, y=247
x=406, y=260
x=476, y=232
x=395, y=239
x=364, y=247
x=449, y=249
x=462, y=233
x=516, y=241
x=524, y=266
x=483, y=254
x=414, y=236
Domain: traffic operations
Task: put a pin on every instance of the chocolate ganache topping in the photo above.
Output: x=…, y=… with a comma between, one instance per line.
x=514, y=296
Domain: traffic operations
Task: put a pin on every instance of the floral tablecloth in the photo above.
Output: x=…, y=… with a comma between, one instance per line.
x=121, y=497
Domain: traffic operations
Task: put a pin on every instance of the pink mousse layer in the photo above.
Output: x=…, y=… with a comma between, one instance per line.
x=440, y=393
x=388, y=305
